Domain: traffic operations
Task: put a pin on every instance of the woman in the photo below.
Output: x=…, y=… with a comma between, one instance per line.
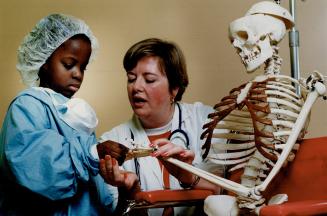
x=156, y=81
x=46, y=167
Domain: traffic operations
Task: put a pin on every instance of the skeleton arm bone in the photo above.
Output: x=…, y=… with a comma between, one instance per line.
x=224, y=183
x=145, y=151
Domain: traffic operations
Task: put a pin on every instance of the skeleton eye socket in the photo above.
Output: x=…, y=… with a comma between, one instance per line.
x=263, y=37
x=243, y=35
x=238, y=50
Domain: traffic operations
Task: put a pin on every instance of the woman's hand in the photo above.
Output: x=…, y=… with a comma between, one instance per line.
x=165, y=148
x=112, y=175
x=187, y=179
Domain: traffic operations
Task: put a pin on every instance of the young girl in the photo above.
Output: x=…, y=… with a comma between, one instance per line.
x=46, y=167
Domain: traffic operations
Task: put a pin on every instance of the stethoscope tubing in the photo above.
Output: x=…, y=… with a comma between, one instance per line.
x=179, y=130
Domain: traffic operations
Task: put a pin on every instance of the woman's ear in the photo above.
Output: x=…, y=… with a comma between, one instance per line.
x=174, y=93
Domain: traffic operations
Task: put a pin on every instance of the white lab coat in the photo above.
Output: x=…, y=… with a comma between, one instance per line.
x=194, y=116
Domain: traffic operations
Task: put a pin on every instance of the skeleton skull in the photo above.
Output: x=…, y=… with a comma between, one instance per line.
x=253, y=36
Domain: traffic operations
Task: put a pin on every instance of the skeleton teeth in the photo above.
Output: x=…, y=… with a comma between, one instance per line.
x=253, y=55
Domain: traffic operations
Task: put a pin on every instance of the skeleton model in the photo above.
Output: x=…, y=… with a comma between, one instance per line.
x=264, y=118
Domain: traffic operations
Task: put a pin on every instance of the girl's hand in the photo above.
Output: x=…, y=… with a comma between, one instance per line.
x=112, y=175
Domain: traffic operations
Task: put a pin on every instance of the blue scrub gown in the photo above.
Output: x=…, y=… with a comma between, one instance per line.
x=45, y=165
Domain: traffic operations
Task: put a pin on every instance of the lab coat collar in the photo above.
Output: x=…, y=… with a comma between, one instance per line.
x=185, y=115
x=141, y=138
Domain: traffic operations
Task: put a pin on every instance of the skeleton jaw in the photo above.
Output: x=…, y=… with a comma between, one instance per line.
x=254, y=56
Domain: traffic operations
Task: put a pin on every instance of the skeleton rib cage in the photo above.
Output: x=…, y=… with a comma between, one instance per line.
x=257, y=128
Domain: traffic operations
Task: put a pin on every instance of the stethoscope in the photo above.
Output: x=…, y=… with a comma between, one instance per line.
x=179, y=131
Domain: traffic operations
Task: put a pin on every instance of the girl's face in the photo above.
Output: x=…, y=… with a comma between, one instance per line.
x=148, y=93
x=64, y=70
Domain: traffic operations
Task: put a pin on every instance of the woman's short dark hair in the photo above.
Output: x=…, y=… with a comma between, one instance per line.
x=171, y=59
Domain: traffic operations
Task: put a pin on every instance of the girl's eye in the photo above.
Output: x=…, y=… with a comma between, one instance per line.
x=68, y=66
x=69, y=63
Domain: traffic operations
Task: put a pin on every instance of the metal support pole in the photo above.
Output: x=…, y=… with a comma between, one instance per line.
x=294, y=43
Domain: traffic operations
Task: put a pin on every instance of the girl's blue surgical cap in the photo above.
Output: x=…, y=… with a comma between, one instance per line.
x=44, y=39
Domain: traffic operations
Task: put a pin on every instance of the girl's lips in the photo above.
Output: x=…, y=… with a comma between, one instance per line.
x=73, y=88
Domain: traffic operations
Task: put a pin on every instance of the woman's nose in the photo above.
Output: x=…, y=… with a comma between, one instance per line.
x=138, y=85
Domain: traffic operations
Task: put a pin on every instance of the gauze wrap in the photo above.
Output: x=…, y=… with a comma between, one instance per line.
x=75, y=112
